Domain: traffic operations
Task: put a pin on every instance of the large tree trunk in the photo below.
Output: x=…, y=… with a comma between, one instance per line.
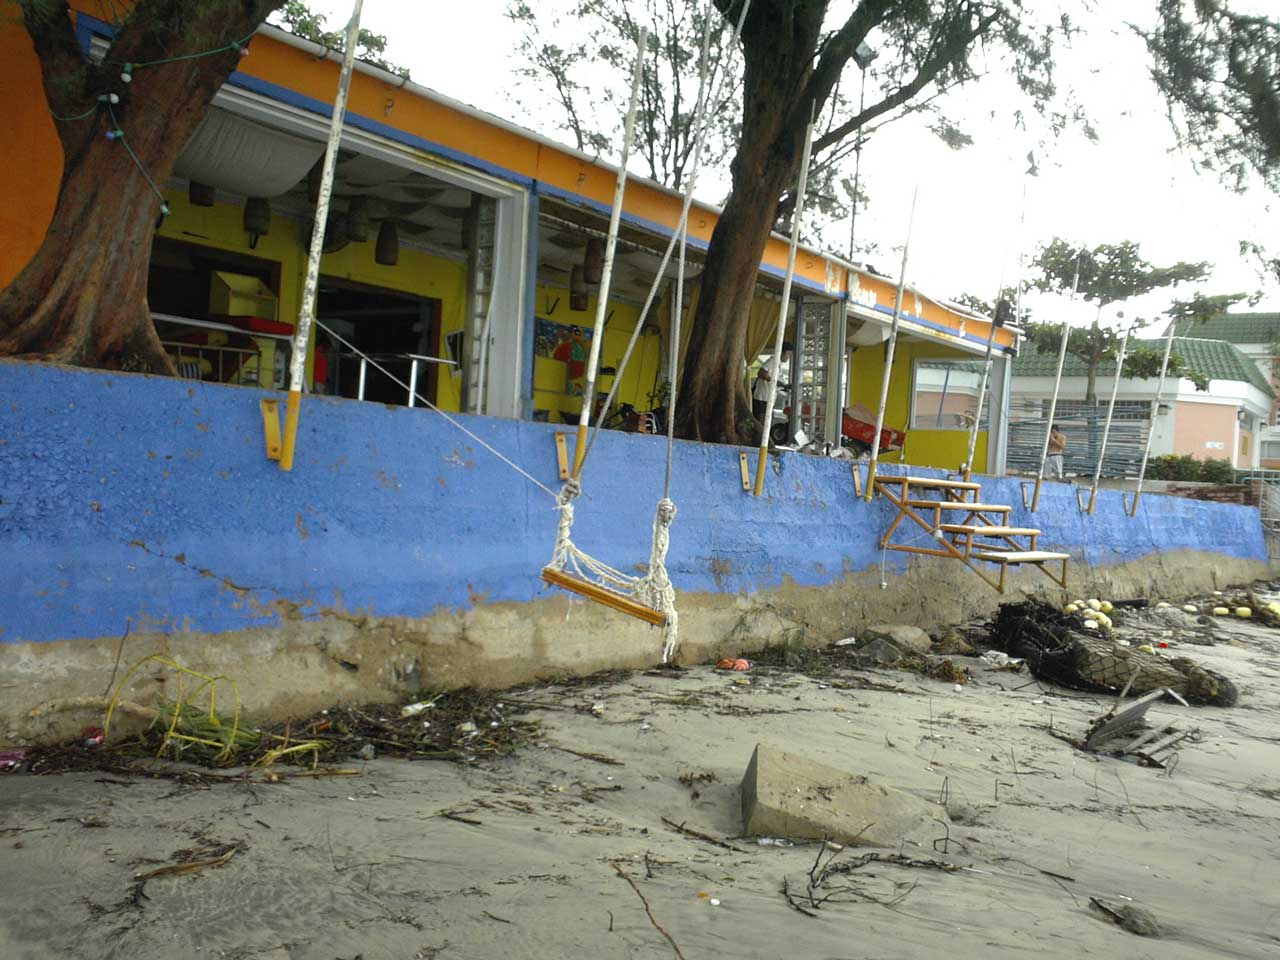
x=83, y=298
x=778, y=45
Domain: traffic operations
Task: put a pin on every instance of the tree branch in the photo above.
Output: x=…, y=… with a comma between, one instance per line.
x=927, y=73
x=63, y=69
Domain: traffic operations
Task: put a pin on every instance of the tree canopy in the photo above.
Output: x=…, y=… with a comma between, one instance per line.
x=298, y=18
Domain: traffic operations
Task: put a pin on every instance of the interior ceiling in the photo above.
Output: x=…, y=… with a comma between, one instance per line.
x=249, y=159
x=425, y=210
x=562, y=245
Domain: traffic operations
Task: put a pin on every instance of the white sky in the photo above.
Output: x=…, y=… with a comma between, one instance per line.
x=1133, y=184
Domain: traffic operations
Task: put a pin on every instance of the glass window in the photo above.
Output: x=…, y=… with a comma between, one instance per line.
x=944, y=394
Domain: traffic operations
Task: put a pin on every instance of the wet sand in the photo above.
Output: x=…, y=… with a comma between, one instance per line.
x=527, y=864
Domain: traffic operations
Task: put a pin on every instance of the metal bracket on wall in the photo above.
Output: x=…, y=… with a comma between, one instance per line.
x=1080, y=501
x=1026, y=503
x=271, y=427
x=562, y=455
x=857, y=480
x=746, y=471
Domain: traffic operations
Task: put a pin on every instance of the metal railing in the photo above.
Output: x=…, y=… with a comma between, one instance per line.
x=1084, y=433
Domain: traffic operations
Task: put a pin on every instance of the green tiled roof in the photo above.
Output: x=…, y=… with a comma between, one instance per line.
x=1234, y=328
x=1216, y=359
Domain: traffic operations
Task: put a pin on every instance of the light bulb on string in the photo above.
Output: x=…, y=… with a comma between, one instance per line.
x=112, y=98
x=126, y=75
x=114, y=134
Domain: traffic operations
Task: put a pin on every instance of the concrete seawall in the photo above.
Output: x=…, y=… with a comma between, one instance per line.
x=400, y=554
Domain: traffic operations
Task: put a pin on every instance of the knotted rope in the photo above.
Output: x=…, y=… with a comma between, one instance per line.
x=654, y=589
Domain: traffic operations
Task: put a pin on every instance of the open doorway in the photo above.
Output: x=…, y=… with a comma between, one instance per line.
x=398, y=330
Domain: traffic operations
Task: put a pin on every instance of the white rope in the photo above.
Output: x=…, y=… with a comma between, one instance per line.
x=654, y=589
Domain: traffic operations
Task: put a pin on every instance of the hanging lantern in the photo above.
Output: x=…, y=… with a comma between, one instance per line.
x=577, y=289
x=257, y=219
x=358, y=219
x=200, y=194
x=387, y=249
x=593, y=260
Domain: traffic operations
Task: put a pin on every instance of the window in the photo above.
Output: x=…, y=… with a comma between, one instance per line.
x=1271, y=450
x=944, y=394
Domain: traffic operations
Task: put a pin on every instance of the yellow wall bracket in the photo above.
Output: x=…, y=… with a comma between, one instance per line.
x=271, y=427
x=746, y=471
x=562, y=455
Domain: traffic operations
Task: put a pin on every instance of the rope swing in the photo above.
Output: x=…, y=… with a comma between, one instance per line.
x=650, y=597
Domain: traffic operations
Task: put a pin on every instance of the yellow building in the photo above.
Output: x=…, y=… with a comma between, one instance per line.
x=460, y=257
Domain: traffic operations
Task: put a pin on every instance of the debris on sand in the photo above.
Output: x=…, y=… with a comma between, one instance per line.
x=1061, y=648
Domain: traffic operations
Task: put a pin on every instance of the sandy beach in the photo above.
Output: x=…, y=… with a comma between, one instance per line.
x=553, y=853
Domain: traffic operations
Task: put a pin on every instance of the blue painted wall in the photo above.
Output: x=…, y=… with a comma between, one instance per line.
x=130, y=497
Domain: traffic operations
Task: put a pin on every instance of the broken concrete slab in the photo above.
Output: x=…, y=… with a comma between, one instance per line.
x=785, y=795
x=907, y=638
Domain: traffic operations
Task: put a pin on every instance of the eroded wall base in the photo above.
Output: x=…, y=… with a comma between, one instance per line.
x=307, y=664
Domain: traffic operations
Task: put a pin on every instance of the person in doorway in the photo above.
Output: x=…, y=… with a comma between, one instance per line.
x=781, y=371
x=1053, y=465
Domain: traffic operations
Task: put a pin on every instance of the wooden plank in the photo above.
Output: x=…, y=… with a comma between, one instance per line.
x=746, y=471
x=271, y=428
x=967, y=505
x=1111, y=725
x=934, y=482
x=979, y=530
x=562, y=456
x=603, y=595
x=1019, y=556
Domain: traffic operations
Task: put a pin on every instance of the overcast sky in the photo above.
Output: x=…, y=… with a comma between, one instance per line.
x=1132, y=184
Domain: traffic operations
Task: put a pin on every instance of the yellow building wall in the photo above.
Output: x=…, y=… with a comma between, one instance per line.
x=944, y=449
x=220, y=227
x=549, y=375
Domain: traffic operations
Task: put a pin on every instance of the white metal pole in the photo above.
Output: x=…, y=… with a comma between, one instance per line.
x=1057, y=386
x=1155, y=410
x=307, y=313
x=1106, y=430
x=364, y=367
x=797, y=220
x=413, y=382
x=610, y=246
x=890, y=348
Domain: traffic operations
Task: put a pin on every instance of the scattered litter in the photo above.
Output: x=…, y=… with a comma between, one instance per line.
x=366, y=752
x=1112, y=732
x=1220, y=611
x=731, y=663
x=1244, y=613
x=413, y=709
x=1001, y=660
x=774, y=842
x=12, y=759
x=846, y=642
x=1130, y=917
x=1190, y=608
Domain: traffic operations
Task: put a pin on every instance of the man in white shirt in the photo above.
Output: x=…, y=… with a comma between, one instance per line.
x=765, y=375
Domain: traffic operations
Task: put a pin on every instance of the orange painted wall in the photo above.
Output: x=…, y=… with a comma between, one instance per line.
x=33, y=155
x=1196, y=424
x=29, y=189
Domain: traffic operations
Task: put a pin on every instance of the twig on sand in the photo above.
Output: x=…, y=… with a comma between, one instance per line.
x=647, y=909
x=173, y=869
x=585, y=755
x=492, y=917
x=792, y=900
x=705, y=837
x=457, y=815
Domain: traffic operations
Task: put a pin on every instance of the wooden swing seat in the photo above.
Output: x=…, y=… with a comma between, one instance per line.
x=610, y=598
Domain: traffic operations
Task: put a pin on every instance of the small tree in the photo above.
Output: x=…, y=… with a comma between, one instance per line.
x=298, y=18
x=1108, y=274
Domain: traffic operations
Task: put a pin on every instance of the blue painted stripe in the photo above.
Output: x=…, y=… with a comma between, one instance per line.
x=88, y=26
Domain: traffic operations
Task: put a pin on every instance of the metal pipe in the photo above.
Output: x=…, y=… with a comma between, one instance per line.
x=298, y=360
x=889, y=350
x=1106, y=430
x=967, y=470
x=797, y=220
x=364, y=366
x=413, y=381
x=1155, y=410
x=611, y=244
x=1057, y=385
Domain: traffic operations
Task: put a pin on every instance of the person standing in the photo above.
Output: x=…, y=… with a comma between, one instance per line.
x=1053, y=466
x=781, y=371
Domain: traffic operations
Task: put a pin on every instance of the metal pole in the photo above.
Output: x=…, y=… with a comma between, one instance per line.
x=364, y=367
x=298, y=360
x=1057, y=385
x=946, y=380
x=797, y=220
x=857, y=169
x=967, y=470
x=611, y=245
x=890, y=347
x=413, y=381
x=1155, y=410
x=1106, y=430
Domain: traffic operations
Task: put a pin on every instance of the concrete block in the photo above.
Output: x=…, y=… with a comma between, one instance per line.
x=784, y=795
x=904, y=637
